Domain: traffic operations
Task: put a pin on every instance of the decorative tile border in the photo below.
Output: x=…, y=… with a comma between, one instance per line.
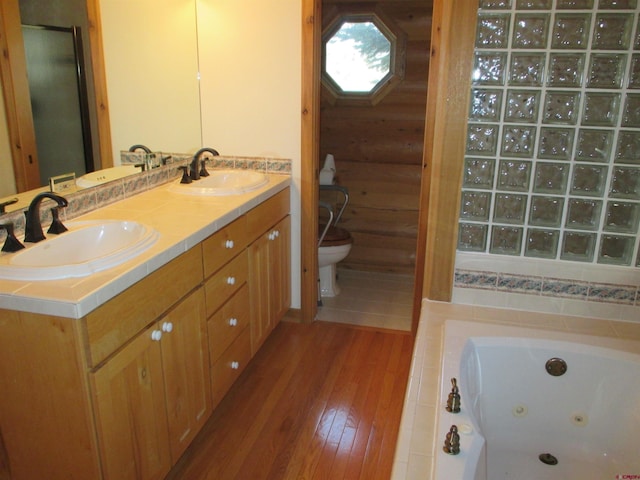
x=548, y=287
x=89, y=199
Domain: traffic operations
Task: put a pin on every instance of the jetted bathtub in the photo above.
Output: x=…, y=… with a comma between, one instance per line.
x=521, y=417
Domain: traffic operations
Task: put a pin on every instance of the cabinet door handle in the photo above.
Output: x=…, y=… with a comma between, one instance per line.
x=156, y=335
x=235, y=365
x=231, y=280
x=228, y=244
x=233, y=322
x=167, y=327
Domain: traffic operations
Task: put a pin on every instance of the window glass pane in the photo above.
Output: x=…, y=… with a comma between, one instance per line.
x=358, y=56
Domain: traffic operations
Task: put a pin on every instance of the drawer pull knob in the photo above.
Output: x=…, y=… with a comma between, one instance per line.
x=156, y=335
x=167, y=327
x=231, y=280
x=274, y=234
x=233, y=322
x=228, y=244
x=235, y=365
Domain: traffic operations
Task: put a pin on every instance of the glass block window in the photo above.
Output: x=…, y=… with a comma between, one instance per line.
x=552, y=164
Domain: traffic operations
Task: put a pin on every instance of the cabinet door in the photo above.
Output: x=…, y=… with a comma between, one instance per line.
x=185, y=364
x=130, y=411
x=270, y=273
x=259, y=291
x=280, y=270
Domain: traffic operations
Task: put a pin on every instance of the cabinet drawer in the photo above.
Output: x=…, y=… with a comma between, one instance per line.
x=117, y=321
x=226, y=282
x=229, y=366
x=265, y=215
x=223, y=245
x=228, y=322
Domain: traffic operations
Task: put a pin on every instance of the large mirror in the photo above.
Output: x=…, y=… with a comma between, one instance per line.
x=151, y=74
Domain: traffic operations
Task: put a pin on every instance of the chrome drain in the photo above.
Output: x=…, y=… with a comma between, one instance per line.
x=548, y=459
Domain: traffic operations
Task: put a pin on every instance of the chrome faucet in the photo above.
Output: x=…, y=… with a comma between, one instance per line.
x=452, y=441
x=453, y=401
x=33, y=227
x=197, y=168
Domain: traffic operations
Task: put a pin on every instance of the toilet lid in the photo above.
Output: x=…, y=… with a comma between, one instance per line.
x=334, y=236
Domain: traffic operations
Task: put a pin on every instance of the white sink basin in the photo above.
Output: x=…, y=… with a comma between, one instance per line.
x=87, y=247
x=223, y=182
x=106, y=175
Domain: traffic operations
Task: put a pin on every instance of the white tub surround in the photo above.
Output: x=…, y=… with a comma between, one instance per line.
x=418, y=440
x=550, y=286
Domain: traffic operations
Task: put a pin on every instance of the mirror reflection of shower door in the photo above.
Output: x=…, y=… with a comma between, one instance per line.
x=58, y=100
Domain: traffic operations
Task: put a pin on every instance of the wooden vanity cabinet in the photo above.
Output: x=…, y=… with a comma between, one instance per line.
x=227, y=296
x=121, y=393
x=97, y=397
x=247, y=295
x=153, y=396
x=269, y=266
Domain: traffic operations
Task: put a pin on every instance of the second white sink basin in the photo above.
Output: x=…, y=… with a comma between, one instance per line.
x=87, y=247
x=223, y=182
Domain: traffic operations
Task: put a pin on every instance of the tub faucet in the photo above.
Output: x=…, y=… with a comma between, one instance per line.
x=452, y=441
x=33, y=227
x=197, y=168
x=453, y=401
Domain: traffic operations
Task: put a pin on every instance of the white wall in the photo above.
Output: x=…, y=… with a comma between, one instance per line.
x=151, y=60
x=250, y=87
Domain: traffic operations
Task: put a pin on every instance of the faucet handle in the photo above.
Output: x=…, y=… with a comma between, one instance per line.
x=453, y=400
x=203, y=168
x=11, y=243
x=7, y=203
x=185, y=174
x=452, y=441
x=56, y=226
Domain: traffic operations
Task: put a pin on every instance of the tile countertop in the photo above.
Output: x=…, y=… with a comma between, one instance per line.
x=183, y=221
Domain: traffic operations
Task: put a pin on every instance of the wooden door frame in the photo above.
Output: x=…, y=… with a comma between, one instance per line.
x=452, y=40
x=13, y=71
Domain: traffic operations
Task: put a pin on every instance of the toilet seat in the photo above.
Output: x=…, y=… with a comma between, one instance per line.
x=335, y=236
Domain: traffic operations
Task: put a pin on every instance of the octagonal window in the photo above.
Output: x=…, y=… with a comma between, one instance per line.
x=358, y=56
x=362, y=57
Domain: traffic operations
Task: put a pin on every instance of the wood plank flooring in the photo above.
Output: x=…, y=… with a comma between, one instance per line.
x=319, y=401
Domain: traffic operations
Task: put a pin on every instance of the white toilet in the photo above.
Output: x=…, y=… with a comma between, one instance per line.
x=334, y=243
x=335, y=246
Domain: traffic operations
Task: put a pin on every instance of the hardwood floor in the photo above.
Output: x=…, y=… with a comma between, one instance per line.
x=319, y=401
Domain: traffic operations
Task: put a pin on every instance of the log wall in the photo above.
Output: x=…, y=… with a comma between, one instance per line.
x=378, y=149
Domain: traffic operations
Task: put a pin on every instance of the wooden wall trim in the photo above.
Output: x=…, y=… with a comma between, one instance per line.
x=453, y=36
x=13, y=69
x=310, y=111
x=100, y=83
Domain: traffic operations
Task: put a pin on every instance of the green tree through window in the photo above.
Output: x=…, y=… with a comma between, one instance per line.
x=358, y=56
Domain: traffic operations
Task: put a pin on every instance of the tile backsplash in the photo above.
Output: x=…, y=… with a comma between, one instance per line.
x=85, y=200
x=552, y=165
